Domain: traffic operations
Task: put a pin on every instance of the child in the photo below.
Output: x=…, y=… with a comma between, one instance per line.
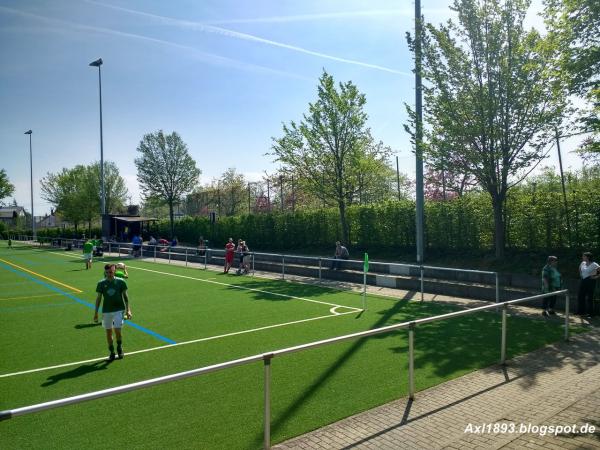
x=121, y=271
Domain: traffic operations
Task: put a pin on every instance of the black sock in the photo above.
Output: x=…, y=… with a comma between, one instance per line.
x=119, y=343
x=111, y=348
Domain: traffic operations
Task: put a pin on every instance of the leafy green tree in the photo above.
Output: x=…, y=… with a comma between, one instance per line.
x=331, y=148
x=154, y=207
x=492, y=98
x=6, y=188
x=75, y=193
x=114, y=185
x=575, y=24
x=65, y=191
x=165, y=169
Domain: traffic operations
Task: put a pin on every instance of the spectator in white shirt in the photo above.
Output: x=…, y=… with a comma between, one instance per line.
x=588, y=270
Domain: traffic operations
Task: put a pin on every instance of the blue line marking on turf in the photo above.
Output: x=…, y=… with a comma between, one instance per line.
x=84, y=303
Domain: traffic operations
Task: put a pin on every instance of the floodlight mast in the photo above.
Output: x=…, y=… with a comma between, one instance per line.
x=98, y=64
x=420, y=217
x=29, y=132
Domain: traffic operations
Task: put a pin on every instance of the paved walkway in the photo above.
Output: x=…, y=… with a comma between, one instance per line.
x=558, y=385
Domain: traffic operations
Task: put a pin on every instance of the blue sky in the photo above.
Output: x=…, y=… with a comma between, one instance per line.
x=223, y=74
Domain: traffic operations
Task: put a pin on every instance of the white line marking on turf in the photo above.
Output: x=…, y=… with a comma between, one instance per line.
x=245, y=288
x=194, y=341
x=210, y=280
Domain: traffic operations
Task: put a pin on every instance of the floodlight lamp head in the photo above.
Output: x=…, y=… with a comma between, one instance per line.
x=96, y=63
x=28, y=132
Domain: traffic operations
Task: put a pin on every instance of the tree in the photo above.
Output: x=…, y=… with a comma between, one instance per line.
x=443, y=181
x=165, y=169
x=64, y=191
x=575, y=24
x=75, y=193
x=492, y=98
x=329, y=151
x=114, y=185
x=6, y=188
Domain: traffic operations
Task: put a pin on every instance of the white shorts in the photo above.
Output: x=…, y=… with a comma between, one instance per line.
x=112, y=320
x=87, y=256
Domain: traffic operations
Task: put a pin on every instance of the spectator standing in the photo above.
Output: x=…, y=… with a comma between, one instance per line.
x=201, y=246
x=588, y=271
x=229, y=254
x=136, y=243
x=551, y=281
x=240, y=252
x=245, y=257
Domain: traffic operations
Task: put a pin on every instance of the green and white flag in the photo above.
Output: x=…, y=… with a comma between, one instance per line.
x=366, y=265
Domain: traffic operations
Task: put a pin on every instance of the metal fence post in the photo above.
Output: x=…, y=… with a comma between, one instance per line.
x=267, y=417
x=119, y=250
x=422, y=282
x=497, y=288
x=253, y=264
x=205, y=257
x=411, y=361
x=169, y=254
x=320, y=268
x=283, y=267
x=567, y=316
x=155, y=253
x=503, y=342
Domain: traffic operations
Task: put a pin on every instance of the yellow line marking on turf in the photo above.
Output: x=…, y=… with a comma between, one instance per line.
x=194, y=341
x=31, y=296
x=42, y=276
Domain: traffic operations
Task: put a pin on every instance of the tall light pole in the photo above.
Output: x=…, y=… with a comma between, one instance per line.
x=29, y=132
x=97, y=64
x=420, y=216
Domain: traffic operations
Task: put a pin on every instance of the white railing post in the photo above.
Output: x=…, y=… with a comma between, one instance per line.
x=497, y=288
x=422, y=282
x=283, y=267
x=169, y=254
x=119, y=250
x=205, y=257
x=411, y=361
x=503, y=339
x=155, y=253
x=567, y=316
x=252, y=264
x=267, y=417
x=320, y=268
x=186, y=257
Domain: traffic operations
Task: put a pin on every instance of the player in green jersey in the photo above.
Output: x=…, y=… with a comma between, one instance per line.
x=88, y=249
x=115, y=307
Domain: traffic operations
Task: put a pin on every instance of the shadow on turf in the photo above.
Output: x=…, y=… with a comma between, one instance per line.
x=311, y=390
x=82, y=326
x=77, y=372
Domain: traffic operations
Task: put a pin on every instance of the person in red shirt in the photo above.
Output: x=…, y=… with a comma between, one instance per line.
x=229, y=253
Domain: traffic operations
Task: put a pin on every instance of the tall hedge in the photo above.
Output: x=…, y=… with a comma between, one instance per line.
x=535, y=221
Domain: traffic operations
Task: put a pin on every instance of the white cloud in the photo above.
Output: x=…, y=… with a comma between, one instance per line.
x=248, y=37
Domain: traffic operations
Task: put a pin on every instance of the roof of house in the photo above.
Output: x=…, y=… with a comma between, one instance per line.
x=8, y=212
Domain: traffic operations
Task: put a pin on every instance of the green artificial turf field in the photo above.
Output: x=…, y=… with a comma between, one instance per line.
x=186, y=318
